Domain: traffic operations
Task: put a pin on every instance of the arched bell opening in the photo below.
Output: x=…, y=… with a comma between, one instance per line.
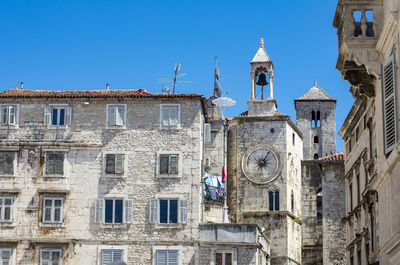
x=262, y=77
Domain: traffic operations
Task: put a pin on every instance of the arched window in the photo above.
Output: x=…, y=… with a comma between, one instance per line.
x=316, y=139
x=313, y=119
x=315, y=156
x=273, y=200
x=318, y=120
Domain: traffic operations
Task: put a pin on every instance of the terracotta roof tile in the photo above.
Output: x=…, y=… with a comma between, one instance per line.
x=333, y=157
x=114, y=93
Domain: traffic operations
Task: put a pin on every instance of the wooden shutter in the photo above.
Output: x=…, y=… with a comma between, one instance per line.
x=183, y=211
x=128, y=211
x=119, y=164
x=110, y=163
x=389, y=104
x=68, y=115
x=99, y=211
x=153, y=211
x=59, y=164
x=173, y=257
x=164, y=161
x=4, y=119
x=173, y=164
x=118, y=254
x=111, y=115
x=207, y=133
x=174, y=115
x=50, y=164
x=165, y=116
x=106, y=256
x=161, y=257
x=47, y=116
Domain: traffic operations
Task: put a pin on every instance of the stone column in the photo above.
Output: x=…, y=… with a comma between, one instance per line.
x=271, y=86
x=253, y=86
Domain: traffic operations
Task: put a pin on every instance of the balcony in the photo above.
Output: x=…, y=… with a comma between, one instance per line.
x=359, y=24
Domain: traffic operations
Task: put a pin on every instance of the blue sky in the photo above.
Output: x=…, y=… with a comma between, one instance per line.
x=65, y=45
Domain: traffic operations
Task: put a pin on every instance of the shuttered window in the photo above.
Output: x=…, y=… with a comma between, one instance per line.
x=169, y=164
x=170, y=115
x=115, y=163
x=57, y=115
x=54, y=163
x=53, y=210
x=114, y=211
x=6, y=209
x=50, y=256
x=168, y=211
x=167, y=257
x=9, y=115
x=5, y=256
x=389, y=104
x=116, y=115
x=7, y=163
x=109, y=256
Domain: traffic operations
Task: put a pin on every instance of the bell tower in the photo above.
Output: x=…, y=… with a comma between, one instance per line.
x=261, y=67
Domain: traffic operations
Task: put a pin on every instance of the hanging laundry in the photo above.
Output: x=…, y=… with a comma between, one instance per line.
x=213, y=187
x=223, y=174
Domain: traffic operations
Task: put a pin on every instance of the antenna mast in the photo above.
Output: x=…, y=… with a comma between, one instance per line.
x=177, y=68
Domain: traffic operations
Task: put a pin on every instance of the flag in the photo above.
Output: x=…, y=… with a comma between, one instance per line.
x=223, y=174
x=217, y=73
x=217, y=89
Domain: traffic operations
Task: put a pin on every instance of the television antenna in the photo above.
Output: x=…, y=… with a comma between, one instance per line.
x=173, y=80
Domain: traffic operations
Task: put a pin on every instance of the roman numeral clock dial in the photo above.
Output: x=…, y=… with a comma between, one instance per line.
x=261, y=165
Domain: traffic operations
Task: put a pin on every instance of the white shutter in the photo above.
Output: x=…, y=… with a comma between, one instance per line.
x=174, y=115
x=4, y=119
x=128, y=211
x=68, y=115
x=389, y=104
x=119, y=116
x=99, y=211
x=207, y=133
x=106, y=256
x=183, y=211
x=12, y=115
x=165, y=116
x=161, y=257
x=173, y=164
x=153, y=211
x=47, y=115
x=119, y=163
x=118, y=254
x=111, y=115
x=173, y=257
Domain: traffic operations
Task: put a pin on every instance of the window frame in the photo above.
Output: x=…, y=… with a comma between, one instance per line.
x=179, y=167
x=14, y=165
x=274, y=203
x=116, y=125
x=124, y=165
x=48, y=115
x=2, y=208
x=16, y=116
x=154, y=211
x=214, y=252
x=45, y=174
x=51, y=250
x=52, y=222
x=100, y=211
x=12, y=258
x=167, y=249
x=112, y=251
x=178, y=126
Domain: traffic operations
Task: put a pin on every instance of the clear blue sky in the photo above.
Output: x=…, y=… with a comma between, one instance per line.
x=66, y=45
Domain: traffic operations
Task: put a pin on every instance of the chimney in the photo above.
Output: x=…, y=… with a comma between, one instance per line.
x=107, y=86
x=22, y=85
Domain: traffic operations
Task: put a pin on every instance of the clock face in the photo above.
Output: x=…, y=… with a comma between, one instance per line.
x=261, y=164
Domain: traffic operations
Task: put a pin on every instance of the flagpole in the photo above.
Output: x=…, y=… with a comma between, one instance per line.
x=215, y=76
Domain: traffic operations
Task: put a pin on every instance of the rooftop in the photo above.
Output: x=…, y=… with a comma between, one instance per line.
x=336, y=157
x=261, y=55
x=316, y=93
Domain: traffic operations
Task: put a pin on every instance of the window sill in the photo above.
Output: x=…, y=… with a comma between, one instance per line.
x=170, y=127
x=116, y=127
x=7, y=225
x=51, y=225
x=165, y=176
x=114, y=226
x=7, y=176
x=57, y=127
x=169, y=226
x=114, y=176
x=54, y=176
x=9, y=127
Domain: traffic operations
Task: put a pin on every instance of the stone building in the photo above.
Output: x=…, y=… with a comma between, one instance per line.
x=369, y=52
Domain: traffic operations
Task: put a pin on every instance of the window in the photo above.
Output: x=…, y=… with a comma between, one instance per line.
x=315, y=119
x=357, y=133
x=5, y=256
x=372, y=226
x=389, y=104
x=359, y=256
x=293, y=139
x=224, y=258
x=113, y=211
x=115, y=163
x=50, y=256
x=169, y=164
x=319, y=209
x=7, y=163
x=170, y=115
x=6, y=209
x=315, y=156
x=53, y=208
x=57, y=115
x=167, y=257
x=316, y=140
x=116, y=115
x=109, y=256
x=273, y=198
x=209, y=135
x=351, y=196
x=168, y=211
x=358, y=189
x=9, y=115
x=55, y=163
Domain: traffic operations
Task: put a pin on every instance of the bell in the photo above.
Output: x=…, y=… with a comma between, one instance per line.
x=262, y=80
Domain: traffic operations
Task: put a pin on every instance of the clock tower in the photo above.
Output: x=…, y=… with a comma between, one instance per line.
x=265, y=150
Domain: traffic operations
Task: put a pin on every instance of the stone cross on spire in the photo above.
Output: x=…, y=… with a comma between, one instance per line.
x=261, y=43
